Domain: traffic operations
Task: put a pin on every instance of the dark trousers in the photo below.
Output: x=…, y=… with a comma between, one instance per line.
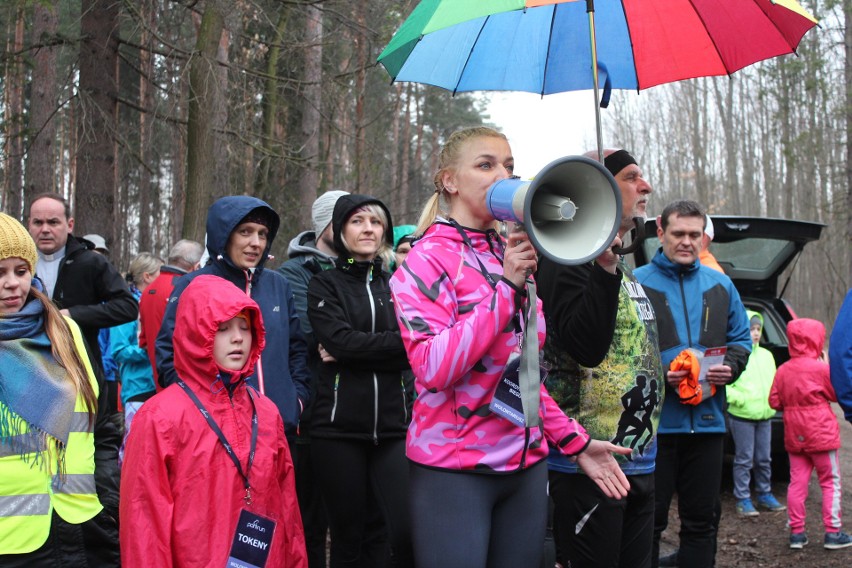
x=92, y=544
x=350, y=473
x=595, y=531
x=691, y=465
x=314, y=519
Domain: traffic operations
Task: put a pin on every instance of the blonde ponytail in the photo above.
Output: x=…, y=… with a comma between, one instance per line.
x=429, y=214
x=65, y=353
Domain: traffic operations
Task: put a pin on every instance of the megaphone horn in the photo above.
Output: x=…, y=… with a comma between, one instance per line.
x=571, y=210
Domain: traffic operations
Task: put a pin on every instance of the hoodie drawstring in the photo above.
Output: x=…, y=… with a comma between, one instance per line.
x=260, y=382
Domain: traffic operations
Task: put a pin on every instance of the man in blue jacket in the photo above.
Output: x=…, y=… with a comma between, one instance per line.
x=840, y=356
x=240, y=231
x=698, y=308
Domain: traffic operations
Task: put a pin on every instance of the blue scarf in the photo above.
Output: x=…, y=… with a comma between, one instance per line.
x=34, y=392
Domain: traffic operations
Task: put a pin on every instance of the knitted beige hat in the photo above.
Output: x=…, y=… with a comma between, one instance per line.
x=15, y=241
x=322, y=209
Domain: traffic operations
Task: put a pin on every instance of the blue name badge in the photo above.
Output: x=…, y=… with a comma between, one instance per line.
x=252, y=540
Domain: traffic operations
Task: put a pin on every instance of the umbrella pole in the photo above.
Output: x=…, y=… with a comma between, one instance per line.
x=590, y=9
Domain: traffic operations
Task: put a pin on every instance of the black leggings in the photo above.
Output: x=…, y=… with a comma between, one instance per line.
x=346, y=471
x=475, y=520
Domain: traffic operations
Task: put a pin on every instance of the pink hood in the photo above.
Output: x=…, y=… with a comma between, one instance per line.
x=806, y=338
x=207, y=302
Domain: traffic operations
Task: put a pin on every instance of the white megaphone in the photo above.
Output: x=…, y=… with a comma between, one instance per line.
x=571, y=210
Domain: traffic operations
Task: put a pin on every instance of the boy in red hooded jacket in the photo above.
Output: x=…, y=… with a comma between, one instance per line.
x=208, y=477
x=803, y=391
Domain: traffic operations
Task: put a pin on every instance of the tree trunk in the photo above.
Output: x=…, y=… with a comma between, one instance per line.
x=270, y=106
x=200, y=151
x=414, y=204
x=787, y=143
x=148, y=194
x=221, y=148
x=847, y=17
x=361, y=44
x=728, y=116
x=98, y=89
x=698, y=110
x=309, y=175
x=41, y=158
x=396, y=149
x=14, y=119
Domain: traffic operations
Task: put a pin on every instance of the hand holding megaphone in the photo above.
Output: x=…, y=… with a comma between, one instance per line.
x=638, y=236
x=608, y=259
x=520, y=258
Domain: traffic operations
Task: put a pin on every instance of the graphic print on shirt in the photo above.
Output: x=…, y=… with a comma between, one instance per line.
x=635, y=422
x=621, y=399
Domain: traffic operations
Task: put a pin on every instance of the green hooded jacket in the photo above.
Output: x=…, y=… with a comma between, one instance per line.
x=748, y=397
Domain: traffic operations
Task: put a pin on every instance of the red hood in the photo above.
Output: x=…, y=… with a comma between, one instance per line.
x=207, y=302
x=806, y=338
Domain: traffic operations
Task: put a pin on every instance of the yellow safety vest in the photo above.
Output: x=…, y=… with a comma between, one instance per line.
x=29, y=493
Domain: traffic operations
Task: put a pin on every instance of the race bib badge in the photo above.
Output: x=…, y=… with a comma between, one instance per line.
x=506, y=399
x=252, y=540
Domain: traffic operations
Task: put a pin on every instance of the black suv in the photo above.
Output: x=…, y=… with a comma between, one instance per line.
x=754, y=251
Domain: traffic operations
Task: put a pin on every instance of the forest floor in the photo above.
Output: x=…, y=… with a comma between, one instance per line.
x=762, y=541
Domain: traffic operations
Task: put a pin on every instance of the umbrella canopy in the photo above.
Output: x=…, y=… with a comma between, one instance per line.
x=505, y=45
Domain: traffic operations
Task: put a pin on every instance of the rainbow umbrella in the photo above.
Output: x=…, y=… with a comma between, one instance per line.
x=545, y=47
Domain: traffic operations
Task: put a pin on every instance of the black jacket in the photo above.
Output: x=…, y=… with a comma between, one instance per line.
x=305, y=261
x=580, y=303
x=364, y=394
x=94, y=293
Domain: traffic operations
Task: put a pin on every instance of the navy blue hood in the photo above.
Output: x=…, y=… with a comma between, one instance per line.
x=228, y=212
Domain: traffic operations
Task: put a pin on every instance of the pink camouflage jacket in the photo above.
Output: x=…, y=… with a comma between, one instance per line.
x=459, y=332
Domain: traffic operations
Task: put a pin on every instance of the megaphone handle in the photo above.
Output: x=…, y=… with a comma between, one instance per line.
x=639, y=223
x=516, y=226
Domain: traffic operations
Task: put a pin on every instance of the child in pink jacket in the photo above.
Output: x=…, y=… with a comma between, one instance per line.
x=803, y=391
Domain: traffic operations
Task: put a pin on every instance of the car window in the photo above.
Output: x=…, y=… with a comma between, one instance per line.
x=772, y=332
x=754, y=258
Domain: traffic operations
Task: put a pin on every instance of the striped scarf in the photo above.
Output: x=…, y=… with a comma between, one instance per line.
x=36, y=401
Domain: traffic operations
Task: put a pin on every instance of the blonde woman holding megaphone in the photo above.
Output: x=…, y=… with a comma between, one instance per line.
x=483, y=420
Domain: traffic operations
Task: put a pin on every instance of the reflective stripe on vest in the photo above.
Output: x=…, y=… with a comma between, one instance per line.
x=74, y=484
x=28, y=442
x=24, y=505
x=80, y=422
x=18, y=445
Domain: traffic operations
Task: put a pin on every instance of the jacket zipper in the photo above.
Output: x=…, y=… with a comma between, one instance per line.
x=688, y=343
x=259, y=365
x=336, y=387
x=375, y=378
x=404, y=399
